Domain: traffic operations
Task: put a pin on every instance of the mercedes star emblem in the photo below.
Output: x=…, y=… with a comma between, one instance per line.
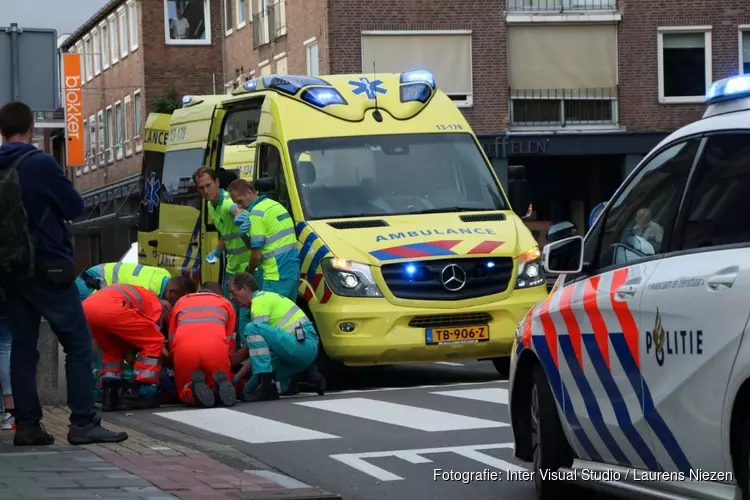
x=453, y=278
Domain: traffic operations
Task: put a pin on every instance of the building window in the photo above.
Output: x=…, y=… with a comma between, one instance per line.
x=133, y=20
x=228, y=19
x=109, y=135
x=137, y=110
x=260, y=24
x=241, y=13
x=311, y=49
x=745, y=50
x=101, y=147
x=86, y=145
x=84, y=71
x=126, y=126
x=114, y=39
x=277, y=15
x=265, y=68
x=187, y=23
x=92, y=141
x=87, y=57
x=560, y=76
x=118, y=131
x=281, y=64
x=446, y=54
x=104, y=49
x=685, y=71
x=97, y=52
x=122, y=17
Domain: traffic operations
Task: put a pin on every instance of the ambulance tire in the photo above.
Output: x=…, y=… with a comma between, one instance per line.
x=502, y=365
x=331, y=370
x=742, y=467
x=550, y=447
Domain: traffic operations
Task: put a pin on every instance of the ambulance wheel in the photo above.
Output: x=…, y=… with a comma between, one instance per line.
x=330, y=369
x=742, y=467
x=548, y=443
x=502, y=365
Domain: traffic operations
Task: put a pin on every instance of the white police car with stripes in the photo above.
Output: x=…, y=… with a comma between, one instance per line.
x=633, y=374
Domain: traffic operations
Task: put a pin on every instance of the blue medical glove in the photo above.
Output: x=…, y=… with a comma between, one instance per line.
x=245, y=227
x=241, y=218
x=233, y=208
x=213, y=255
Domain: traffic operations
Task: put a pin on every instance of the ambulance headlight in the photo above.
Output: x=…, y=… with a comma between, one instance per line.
x=530, y=271
x=350, y=279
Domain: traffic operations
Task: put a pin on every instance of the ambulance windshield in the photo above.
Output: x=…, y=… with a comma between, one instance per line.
x=393, y=175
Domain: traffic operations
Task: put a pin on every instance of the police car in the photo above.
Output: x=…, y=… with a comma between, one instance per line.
x=632, y=374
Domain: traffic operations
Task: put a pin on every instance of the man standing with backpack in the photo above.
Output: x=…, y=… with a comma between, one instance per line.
x=38, y=276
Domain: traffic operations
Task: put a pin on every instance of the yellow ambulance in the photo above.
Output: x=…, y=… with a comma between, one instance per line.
x=154, y=149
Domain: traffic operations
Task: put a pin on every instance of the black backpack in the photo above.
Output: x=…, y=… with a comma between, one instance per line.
x=16, y=246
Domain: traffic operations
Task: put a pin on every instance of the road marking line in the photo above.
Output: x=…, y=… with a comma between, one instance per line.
x=492, y=395
x=388, y=389
x=402, y=415
x=285, y=481
x=357, y=460
x=448, y=363
x=243, y=426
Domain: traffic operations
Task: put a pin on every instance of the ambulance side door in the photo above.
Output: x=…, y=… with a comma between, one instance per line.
x=601, y=349
x=695, y=309
x=209, y=237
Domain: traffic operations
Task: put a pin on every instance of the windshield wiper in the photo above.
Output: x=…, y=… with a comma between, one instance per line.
x=447, y=210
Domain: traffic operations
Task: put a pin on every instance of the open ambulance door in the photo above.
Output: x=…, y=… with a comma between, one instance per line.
x=209, y=236
x=154, y=149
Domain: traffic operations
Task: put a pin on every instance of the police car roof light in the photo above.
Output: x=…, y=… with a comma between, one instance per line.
x=415, y=92
x=250, y=85
x=291, y=84
x=418, y=76
x=735, y=87
x=322, y=97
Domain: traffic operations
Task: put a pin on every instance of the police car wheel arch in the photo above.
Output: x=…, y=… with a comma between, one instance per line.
x=551, y=450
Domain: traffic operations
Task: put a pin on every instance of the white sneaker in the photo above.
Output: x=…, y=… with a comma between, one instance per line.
x=9, y=422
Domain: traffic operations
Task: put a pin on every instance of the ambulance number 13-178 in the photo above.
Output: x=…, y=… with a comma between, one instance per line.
x=450, y=126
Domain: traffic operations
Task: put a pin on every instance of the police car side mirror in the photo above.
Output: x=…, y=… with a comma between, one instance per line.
x=563, y=256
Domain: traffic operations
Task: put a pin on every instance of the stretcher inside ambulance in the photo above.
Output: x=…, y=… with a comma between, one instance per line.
x=409, y=248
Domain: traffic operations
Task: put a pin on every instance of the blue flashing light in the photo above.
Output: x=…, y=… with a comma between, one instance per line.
x=490, y=265
x=186, y=100
x=735, y=87
x=415, y=92
x=418, y=76
x=411, y=269
x=250, y=85
x=291, y=84
x=322, y=97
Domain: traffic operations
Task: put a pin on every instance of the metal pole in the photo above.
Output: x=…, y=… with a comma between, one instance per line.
x=15, y=63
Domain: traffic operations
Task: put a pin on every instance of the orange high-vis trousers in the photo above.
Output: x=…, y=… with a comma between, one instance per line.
x=121, y=317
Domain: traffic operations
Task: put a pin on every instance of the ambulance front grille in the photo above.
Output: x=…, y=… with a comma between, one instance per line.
x=425, y=282
x=449, y=320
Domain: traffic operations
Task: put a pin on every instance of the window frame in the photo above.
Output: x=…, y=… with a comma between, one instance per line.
x=308, y=44
x=279, y=57
x=133, y=25
x=114, y=34
x=127, y=108
x=228, y=17
x=265, y=64
x=118, y=147
x=93, y=140
x=563, y=124
x=744, y=30
x=122, y=14
x=100, y=155
x=707, y=50
x=103, y=35
x=79, y=50
x=87, y=145
x=137, y=137
x=109, y=134
x=190, y=42
x=237, y=9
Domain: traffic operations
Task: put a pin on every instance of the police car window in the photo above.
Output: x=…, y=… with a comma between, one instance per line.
x=640, y=218
x=178, y=187
x=393, y=175
x=719, y=202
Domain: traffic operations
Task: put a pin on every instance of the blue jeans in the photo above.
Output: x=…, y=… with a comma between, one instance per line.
x=6, y=339
x=61, y=307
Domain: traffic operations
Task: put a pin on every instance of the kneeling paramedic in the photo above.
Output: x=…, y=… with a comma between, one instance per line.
x=201, y=338
x=281, y=342
x=156, y=279
x=273, y=241
x=122, y=317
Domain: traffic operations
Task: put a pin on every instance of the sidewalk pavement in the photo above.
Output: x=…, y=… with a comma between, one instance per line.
x=139, y=468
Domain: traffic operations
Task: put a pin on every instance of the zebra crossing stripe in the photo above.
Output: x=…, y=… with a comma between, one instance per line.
x=488, y=395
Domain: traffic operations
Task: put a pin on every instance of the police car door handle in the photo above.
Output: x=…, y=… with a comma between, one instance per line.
x=723, y=279
x=627, y=290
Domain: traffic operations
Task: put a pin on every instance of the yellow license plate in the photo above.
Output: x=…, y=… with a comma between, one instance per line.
x=458, y=335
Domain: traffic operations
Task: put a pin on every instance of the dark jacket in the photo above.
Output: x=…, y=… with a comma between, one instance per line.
x=44, y=185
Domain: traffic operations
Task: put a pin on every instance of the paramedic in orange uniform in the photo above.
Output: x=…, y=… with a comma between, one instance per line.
x=122, y=317
x=201, y=338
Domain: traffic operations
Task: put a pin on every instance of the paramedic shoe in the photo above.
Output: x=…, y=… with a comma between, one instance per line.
x=224, y=390
x=9, y=422
x=32, y=435
x=202, y=393
x=266, y=390
x=110, y=394
x=94, y=433
x=293, y=389
x=134, y=398
x=312, y=379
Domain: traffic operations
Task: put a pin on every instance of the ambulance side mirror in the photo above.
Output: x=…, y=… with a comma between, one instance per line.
x=518, y=190
x=563, y=256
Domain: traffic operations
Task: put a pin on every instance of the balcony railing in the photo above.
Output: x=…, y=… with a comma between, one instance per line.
x=560, y=5
x=563, y=107
x=277, y=18
x=260, y=29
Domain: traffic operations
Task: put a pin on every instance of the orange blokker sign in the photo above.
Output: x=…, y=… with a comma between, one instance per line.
x=76, y=154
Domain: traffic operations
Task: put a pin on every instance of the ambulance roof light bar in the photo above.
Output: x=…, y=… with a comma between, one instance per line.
x=729, y=89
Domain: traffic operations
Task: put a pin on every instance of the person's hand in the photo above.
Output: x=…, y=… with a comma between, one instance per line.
x=213, y=255
x=245, y=227
x=241, y=218
x=236, y=358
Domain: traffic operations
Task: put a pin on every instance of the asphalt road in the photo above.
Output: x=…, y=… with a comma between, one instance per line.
x=384, y=436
